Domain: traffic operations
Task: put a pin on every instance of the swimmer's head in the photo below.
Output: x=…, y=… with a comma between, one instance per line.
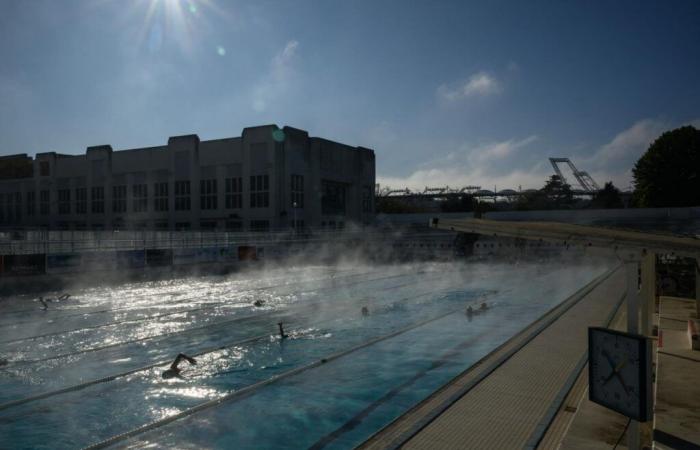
x=170, y=373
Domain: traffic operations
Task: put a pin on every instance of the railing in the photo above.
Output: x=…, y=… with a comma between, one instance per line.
x=52, y=242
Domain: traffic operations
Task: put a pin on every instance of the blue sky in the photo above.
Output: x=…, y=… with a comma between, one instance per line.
x=445, y=92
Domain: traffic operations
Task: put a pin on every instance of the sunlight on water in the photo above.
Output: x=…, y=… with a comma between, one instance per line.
x=229, y=325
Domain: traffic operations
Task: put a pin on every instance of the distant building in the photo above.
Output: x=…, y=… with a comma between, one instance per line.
x=264, y=180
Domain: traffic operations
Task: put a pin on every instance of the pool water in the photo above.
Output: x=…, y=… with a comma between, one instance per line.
x=415, y=338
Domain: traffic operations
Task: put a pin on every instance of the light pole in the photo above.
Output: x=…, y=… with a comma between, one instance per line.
x=294, y=207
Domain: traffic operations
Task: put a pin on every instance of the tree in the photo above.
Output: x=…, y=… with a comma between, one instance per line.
x=667, y=174
x=557, y=192
x=608, y=197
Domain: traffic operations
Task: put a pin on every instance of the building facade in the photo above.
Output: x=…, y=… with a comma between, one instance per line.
x=266, y=179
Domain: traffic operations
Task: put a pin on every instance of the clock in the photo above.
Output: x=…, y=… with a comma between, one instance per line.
x=619, y=372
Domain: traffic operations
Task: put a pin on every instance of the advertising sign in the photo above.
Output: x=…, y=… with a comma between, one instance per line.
x=183, y=256
x=17, y=265
x=131, y=259
x=63, y=263
x=94, y=261
x=156, y=257
x=247, y=253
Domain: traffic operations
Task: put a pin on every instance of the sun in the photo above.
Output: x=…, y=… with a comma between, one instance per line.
x=167, y=21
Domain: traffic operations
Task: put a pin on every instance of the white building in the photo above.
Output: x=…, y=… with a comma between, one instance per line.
x=265, y=179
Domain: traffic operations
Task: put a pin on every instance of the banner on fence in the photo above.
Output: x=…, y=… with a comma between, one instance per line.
x=131, y=259
x=95, y=261
x=17, y=265
x=63, y=262
x=207, y=255
x=157, y=257
x=247, y=253
x=183, y=256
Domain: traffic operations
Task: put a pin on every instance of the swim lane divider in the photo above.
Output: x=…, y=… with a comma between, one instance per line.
x=247, y=391
x=109, y=378
x=172, y=333
x=525, y=336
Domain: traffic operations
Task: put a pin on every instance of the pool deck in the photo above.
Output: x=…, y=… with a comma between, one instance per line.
x=510, y=398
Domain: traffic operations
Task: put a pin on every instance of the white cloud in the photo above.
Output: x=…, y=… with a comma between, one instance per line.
x=480, y=165
x=629, y=144
x=479, y=84
x=276, y=81
x=614, y=160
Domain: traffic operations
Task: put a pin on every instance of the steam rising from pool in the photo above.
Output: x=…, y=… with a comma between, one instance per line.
x=119, y=339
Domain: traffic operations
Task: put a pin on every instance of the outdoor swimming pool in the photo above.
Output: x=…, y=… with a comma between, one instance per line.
x=89, y=368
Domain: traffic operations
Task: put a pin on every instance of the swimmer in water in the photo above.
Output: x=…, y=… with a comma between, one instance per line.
x=3, y=361
x=174, y=371
x=484, y=306
x=258, y=303
x=365, y=311
x=43, y=303
x=470, y=311
x=282, y=333
x=63, y=297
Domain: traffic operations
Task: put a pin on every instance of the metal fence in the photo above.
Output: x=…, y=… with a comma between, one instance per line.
x=53, y=242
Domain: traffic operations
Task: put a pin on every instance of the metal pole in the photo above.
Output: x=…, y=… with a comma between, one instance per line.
x=631, y=267
x=648, y=292
x=697, y=286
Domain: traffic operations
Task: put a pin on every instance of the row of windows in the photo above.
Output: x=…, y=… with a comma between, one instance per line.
x=259, y=197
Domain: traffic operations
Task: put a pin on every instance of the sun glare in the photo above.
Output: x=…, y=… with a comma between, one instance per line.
x=166, y=21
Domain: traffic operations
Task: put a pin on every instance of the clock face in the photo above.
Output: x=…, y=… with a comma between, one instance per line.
x=619, y=372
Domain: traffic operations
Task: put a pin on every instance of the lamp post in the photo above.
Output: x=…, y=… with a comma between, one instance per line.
x=294, y=207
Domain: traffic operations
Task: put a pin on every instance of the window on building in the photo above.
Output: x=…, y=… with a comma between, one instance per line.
x=234, y=225
x=207, y=225
x=140, y=197
x=118, y=199
x=44, y=170
x=182, y=195
x=297, y=191
x=161, y=225
x=160, y=196
x=332, y=198
x=234, y=193
x=44, y=202
x=259, y=191
x=64, y=201
x=97, y=196
x=30, y=201
x=182, y=226
x=259, y=225
x=13, y=210
x=207, y=194
x=81, y=200
x=366, y=199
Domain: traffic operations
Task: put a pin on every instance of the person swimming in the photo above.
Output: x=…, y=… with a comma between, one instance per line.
x=43, y=303
x=484, y=306
x=63, y=297
x=470, y=311
x=174, y=371
x=283, y=335
x=365, y=311
x=258, y=303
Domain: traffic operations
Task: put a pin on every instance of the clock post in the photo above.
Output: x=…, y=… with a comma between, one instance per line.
x=632, y=269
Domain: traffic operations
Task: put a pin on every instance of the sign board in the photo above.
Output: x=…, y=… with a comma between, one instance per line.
x=24, y=264
x=63, y=263
x=95, y=261
x=157, y=257
x=619, y=372
x=131, y=259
